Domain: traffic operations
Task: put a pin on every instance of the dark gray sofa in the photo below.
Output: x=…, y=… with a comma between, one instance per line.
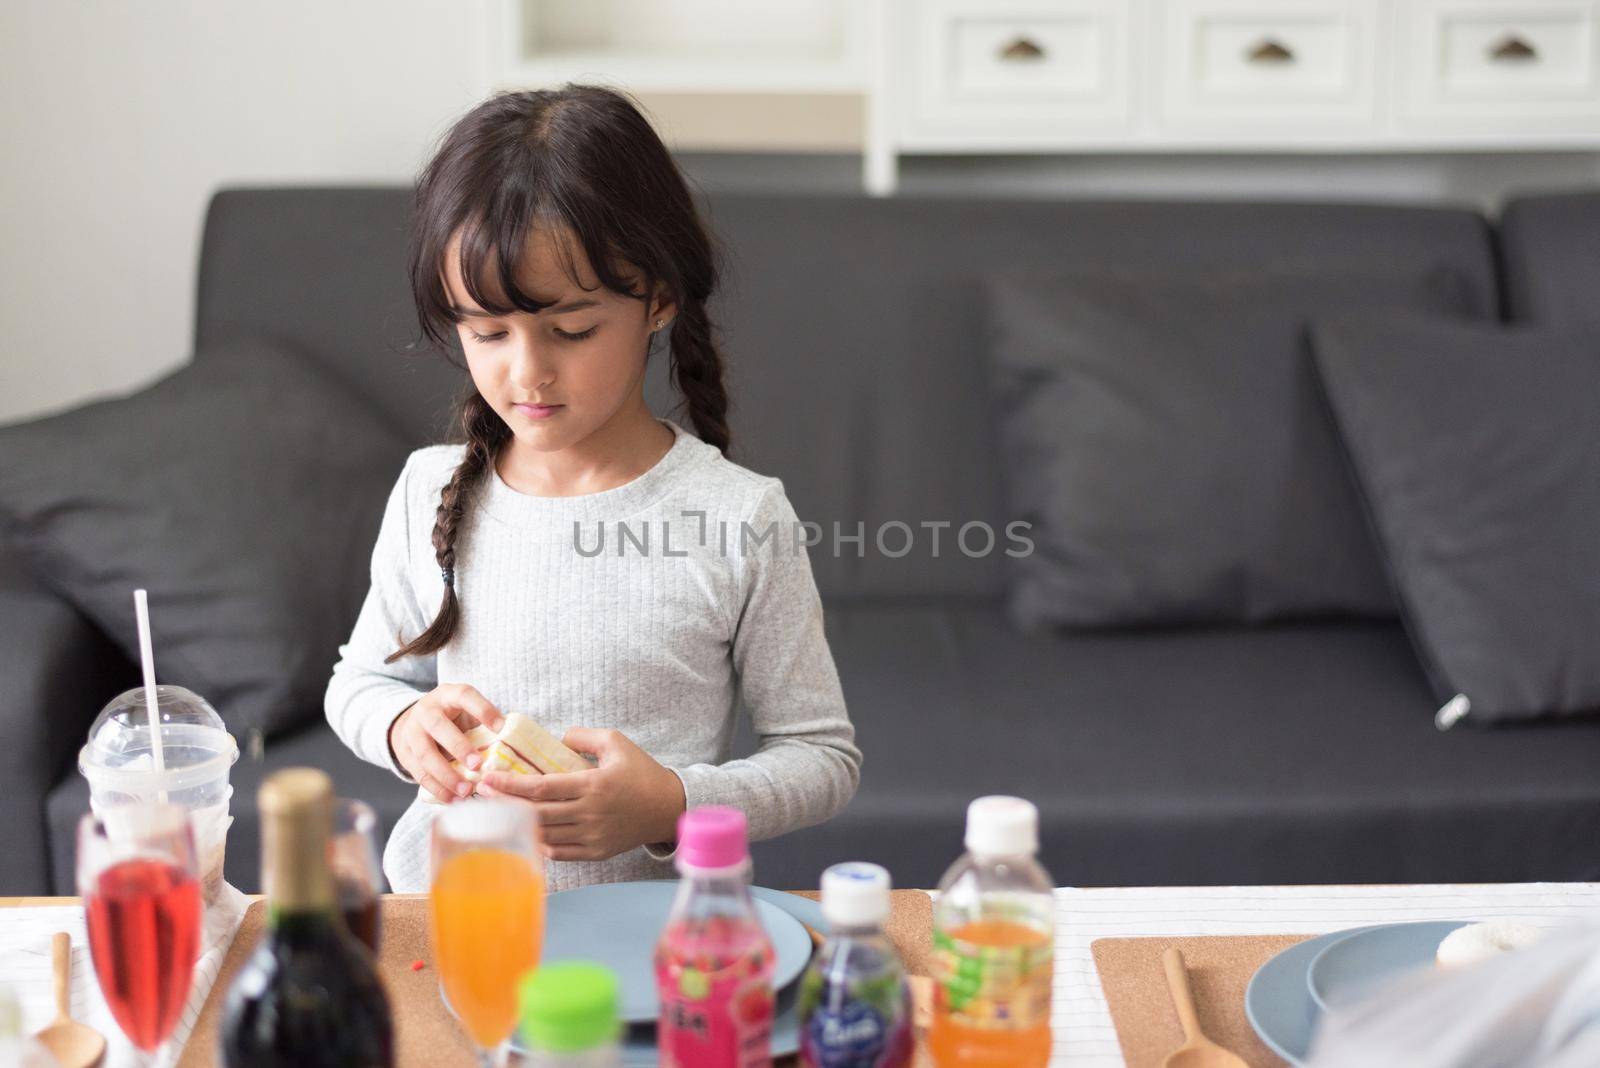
x=1291, y=753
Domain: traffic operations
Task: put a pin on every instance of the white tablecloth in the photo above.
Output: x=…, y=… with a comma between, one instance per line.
x=1084, y=1035
x=25, y=935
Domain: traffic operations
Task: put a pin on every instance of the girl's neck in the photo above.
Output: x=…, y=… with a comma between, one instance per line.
x=619, y=451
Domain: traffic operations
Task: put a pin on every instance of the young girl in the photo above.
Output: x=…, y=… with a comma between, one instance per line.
x=554, y=234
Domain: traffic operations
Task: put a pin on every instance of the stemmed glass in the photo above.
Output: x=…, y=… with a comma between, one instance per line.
x=140, y=883
x=487, y=912
x=357, y=873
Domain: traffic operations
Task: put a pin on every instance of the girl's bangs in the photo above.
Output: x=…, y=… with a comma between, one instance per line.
x=490, y=257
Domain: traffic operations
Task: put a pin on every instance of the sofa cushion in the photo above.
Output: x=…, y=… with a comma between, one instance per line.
x=1293, y=753
x=244, y=491
x=354, y=314
x=1551, y=258
x=1478, y=452
x=853, y=375
x=1163, y=435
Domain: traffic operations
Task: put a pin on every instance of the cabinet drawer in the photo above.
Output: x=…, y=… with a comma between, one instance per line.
x=1016, y=69
x=1517, y=59
x=1236, y=62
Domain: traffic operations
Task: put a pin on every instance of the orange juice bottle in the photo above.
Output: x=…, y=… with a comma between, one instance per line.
x=487, y=908
x=993, y=943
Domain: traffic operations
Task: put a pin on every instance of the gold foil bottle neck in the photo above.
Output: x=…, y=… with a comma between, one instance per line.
x=296, y=807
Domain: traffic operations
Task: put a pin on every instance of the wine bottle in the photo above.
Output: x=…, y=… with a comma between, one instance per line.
x=309, y=996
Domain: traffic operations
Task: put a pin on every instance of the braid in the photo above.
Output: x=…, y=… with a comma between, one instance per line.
x=697, y=370
x=485, y=433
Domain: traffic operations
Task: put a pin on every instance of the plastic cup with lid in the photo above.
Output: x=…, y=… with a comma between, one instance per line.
x=199, y=755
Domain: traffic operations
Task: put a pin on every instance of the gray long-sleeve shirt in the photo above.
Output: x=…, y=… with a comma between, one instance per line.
x=656, y=608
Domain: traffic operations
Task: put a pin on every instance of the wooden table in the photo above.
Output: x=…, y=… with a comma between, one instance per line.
x=425, y=1032
x=1093, y=932
x=36, y=902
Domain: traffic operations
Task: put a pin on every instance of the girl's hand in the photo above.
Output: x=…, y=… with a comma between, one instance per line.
x=428, y=734
x=628, y=800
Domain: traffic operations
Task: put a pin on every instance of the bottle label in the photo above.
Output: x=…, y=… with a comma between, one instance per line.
x=857, y=1033
x=992, y=987
x=716, y=1018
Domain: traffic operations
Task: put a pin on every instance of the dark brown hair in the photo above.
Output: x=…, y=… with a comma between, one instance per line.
x=578, y=160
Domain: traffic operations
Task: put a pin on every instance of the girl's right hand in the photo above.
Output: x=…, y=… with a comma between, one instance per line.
x=426, y=736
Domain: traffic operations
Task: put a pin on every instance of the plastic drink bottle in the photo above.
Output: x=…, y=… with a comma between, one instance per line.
x=993, y=938
x=855, y=1007
x=569, y=1017
x=714, y=961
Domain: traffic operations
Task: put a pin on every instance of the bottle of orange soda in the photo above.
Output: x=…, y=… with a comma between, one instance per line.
x=993, y=944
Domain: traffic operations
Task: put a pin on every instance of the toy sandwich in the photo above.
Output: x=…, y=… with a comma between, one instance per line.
x=520, y=746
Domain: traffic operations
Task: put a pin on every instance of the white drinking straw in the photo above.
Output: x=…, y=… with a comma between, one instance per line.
x=141, y=608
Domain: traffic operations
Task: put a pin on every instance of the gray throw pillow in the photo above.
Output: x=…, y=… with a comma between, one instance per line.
x=244, y=491
x=1478, y=453
x=1164, y=436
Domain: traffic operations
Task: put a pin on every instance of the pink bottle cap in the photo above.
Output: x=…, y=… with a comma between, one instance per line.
x=713, y=836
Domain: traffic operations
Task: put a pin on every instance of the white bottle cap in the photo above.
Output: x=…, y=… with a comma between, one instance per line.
x=855, y=895
x=1000, y=826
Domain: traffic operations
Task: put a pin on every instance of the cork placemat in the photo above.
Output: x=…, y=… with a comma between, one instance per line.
x=425, y=1032
x=1220, y=968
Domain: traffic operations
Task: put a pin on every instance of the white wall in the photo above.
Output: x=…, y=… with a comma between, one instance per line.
x=118, y=119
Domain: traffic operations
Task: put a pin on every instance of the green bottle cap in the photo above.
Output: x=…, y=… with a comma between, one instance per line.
x=568, y=1007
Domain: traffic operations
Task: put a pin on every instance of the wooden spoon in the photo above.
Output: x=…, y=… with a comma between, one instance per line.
x=74, y=1044
x=1199, y=1051
x=921, y=1001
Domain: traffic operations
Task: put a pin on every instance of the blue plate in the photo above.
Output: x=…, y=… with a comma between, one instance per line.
x=1361, y=961
x=1278, y=1002
x=617, y=924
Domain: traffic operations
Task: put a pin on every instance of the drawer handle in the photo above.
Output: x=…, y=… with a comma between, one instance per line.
x=1021, y=50
x=1512, y=48
x=1270, y=51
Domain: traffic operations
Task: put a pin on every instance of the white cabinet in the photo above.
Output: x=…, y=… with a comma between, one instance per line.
x=1012, y=72
x=1513, y=67
x=1296, y=65
x=1101, y=76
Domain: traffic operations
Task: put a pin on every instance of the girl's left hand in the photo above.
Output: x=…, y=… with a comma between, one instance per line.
x=628, y=800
